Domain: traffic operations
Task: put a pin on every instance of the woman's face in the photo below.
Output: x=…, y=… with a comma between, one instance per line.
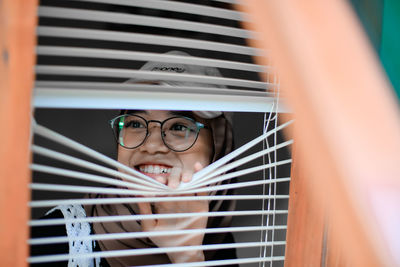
x=156, y=160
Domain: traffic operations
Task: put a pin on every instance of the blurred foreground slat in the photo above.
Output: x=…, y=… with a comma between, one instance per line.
x=347, y=126
x=17, y=48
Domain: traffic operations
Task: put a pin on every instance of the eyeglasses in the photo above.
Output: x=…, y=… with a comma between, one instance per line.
x=178, y=133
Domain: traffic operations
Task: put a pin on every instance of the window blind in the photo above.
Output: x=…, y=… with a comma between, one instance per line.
x=87, y=50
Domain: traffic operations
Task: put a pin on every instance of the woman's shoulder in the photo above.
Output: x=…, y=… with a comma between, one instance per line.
x=68, y=228
x=49, y=231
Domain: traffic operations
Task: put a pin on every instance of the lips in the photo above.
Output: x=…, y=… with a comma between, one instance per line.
x=154, y=169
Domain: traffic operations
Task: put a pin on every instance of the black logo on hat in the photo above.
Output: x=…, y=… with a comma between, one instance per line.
x=172, y=69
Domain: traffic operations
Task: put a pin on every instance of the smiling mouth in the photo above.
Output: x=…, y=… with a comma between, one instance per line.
x=154, y=169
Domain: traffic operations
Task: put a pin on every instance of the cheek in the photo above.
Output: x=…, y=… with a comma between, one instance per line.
x=124, y=155
x=209, y=144
x=209, y=152
x=204, y=149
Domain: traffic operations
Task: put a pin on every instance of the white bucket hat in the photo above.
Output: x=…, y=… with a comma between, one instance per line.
x=181, y=68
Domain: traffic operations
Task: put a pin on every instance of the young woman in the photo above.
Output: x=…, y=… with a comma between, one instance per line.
x=168, y=146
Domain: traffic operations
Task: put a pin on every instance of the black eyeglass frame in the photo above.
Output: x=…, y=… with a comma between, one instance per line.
x=199, y=126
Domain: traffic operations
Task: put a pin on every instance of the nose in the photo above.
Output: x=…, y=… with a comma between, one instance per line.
x=154, y=143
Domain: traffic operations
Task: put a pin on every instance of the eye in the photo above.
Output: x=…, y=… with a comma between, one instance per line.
x=135, y=124
x=179, y=127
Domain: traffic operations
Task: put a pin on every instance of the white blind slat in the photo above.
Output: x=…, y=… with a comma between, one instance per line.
x=237, y=185
x=242, y=172
x=85, y=189
x=147, y=75
x=90, y=177
x=128, y=235
x=121, y=18
x=213, y=166
x=208, y=179
x=219, y=262
x=51, y=135
x=123, y=99
x=151, y=251
x=128, y=200
x=148, y=88
x=115, y=36
x=135, y=182
x=179, y=7
x=93, y=189
x=223, y=262
x=137, y=217
x=143, y=56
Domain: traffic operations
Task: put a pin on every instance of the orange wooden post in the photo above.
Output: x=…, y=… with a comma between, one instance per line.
x=348, y=132
x=309, y=234
x=17, y=57
x=305, y=222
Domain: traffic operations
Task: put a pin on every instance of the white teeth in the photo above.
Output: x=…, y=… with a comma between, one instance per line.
x=150, y=169
x=155, y=169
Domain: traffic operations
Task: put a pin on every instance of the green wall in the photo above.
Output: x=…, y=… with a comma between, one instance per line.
x=390, y=44
x=381, y=21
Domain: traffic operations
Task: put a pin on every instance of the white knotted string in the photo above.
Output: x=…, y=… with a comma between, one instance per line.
x=272, y=174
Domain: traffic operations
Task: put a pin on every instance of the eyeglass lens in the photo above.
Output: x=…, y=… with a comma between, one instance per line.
x=177, y=133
